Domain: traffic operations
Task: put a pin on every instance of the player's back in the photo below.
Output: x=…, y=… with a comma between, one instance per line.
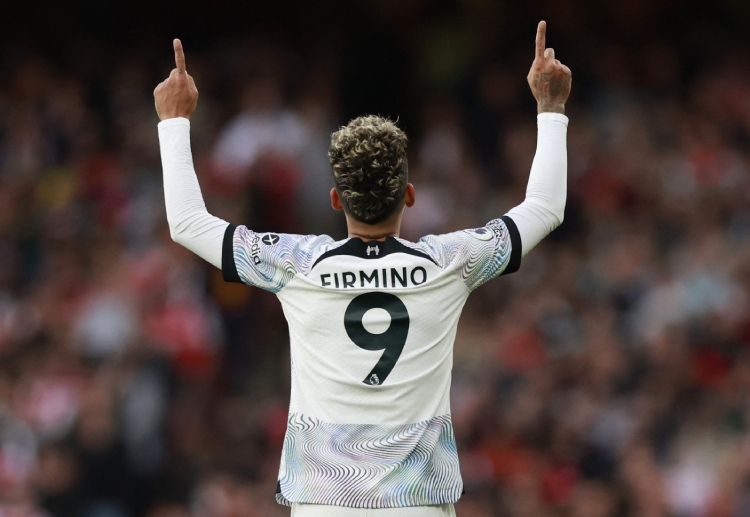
x=372, y=326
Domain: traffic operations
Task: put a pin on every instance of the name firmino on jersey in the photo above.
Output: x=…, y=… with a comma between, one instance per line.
x=386, y=277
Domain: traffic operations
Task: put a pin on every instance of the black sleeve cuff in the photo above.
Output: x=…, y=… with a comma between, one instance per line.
x=515, y=246
x=228, y=267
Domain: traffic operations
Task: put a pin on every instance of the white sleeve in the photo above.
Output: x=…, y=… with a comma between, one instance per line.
x=542, y=210
x=189, y=223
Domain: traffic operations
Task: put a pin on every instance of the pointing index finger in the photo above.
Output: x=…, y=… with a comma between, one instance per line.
x=179, y=56
x=541, y=39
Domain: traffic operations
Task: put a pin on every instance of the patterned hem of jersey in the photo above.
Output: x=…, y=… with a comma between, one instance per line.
x=369, y=465
x=448, y=499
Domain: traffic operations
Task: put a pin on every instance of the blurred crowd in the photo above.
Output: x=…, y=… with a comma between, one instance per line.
x=609, y=377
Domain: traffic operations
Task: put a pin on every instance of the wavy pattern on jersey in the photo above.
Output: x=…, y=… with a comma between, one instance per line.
x=369, y=466
x=481, y=254
x=272, y=266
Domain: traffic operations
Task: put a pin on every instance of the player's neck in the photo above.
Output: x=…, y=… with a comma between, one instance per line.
x=373, y=232
x=372, y=237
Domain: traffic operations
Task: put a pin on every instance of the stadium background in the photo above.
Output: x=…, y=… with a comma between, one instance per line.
x=610, y=377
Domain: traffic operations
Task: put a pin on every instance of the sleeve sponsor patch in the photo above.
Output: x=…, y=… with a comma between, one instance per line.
x=483, y=234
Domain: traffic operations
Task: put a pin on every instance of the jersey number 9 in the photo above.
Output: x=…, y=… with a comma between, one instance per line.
x=391, y=341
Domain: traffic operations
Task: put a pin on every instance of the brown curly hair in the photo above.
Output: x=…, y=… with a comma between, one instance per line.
x=370, y=173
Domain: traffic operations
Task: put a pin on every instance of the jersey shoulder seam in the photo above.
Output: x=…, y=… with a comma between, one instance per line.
x=445, y=264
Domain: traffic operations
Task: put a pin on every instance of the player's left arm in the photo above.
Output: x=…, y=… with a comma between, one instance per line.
x=190, y=224
x=267, y=261
x=543, y=209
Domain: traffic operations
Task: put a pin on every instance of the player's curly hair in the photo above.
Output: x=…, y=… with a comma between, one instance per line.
x=370, y=173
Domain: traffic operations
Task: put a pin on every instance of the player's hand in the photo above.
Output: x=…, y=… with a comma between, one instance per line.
x=177, y=95
x=548, y=78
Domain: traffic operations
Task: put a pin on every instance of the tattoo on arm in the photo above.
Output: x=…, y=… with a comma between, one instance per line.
x=550, y=89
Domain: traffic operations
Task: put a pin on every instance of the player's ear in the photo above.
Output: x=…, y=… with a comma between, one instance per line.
x=336, y=200
x=409, y=196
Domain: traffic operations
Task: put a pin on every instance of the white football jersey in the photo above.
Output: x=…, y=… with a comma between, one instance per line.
x=371, y=326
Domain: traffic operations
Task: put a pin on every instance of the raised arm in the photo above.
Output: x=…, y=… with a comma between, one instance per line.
x=190, y=224
x=542, y=210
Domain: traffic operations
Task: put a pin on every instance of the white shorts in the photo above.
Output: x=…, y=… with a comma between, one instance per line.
x=322, y=510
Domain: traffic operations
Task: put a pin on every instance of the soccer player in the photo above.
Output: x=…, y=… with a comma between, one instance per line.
x=372, y=318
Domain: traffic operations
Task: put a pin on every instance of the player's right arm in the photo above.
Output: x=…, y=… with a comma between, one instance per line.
x=543, y=208
x=484, y=253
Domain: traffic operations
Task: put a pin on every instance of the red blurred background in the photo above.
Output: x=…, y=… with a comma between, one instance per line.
x=609, y=377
